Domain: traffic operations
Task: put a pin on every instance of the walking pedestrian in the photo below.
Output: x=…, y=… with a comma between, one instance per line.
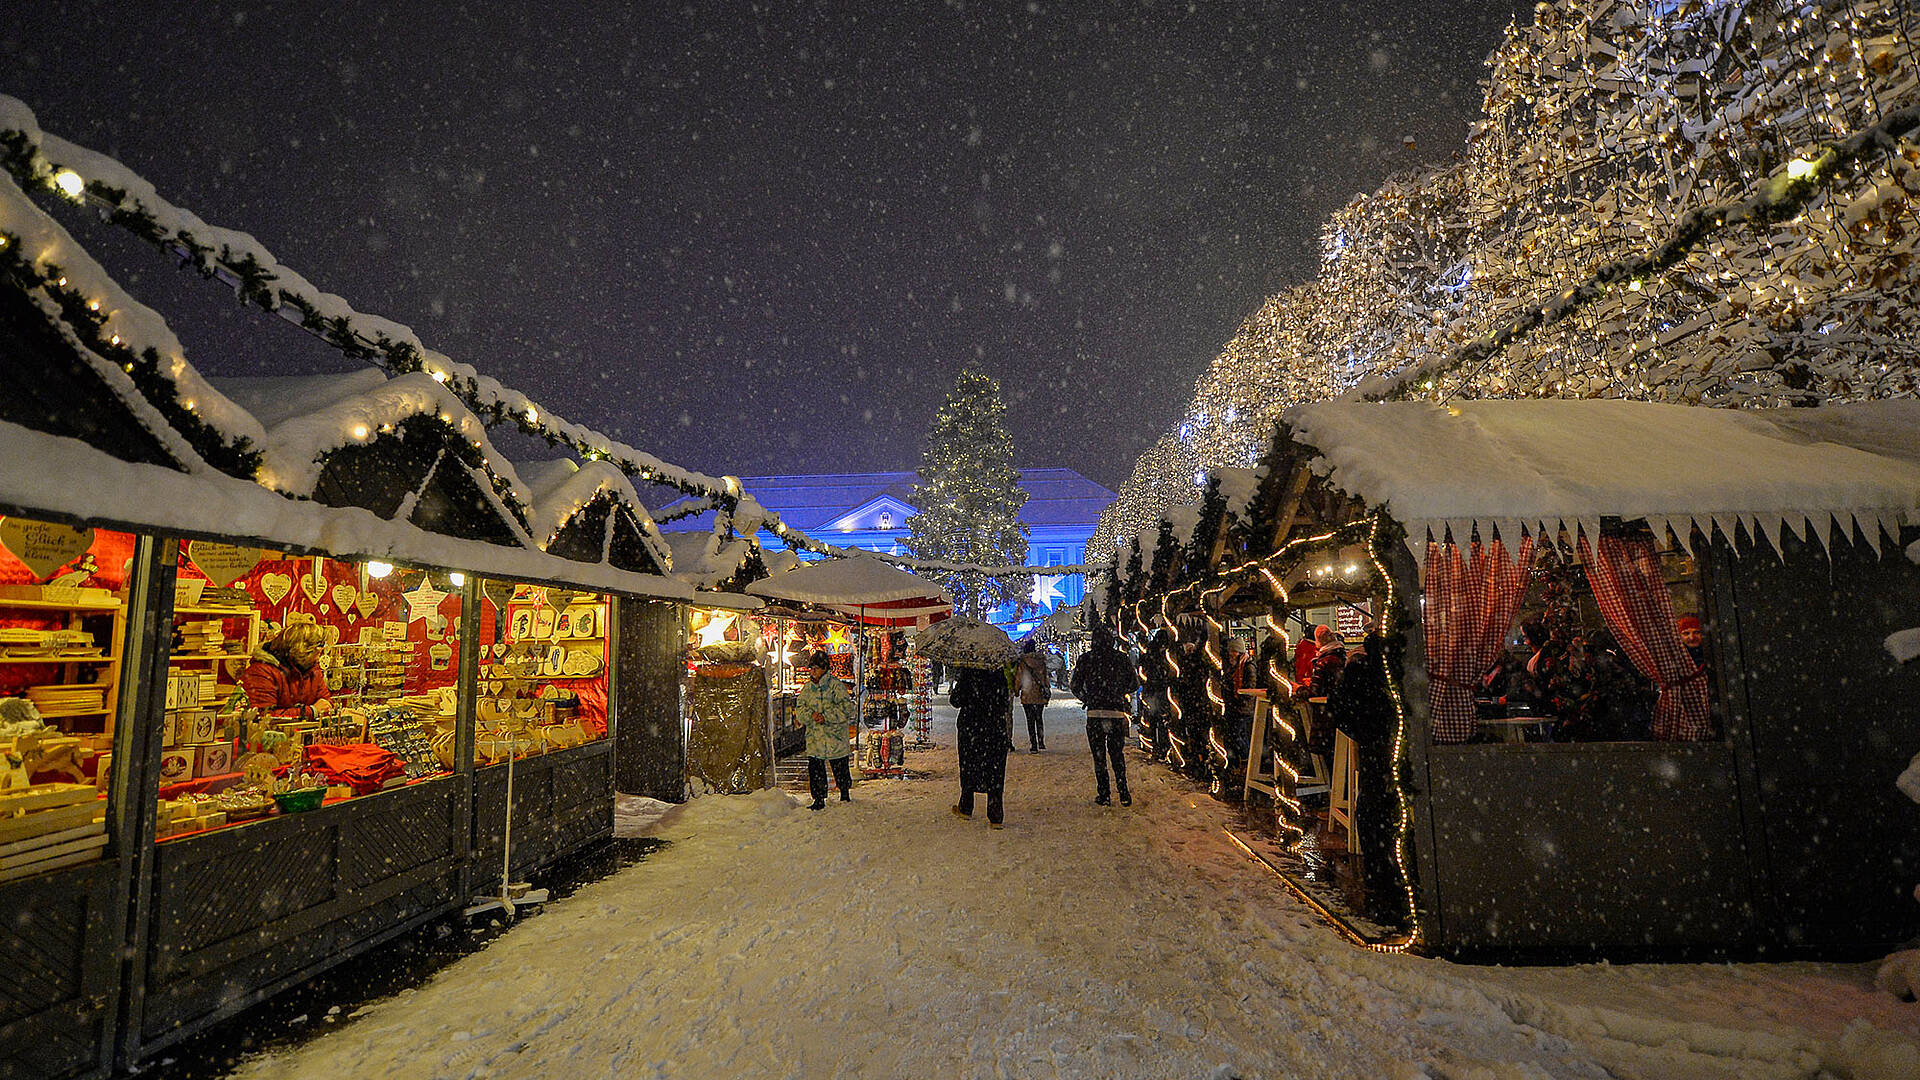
x=981, y=696
x=1031, y=681
x=827, y=710
x=937, y=678
x=1056, y=668
x=1102, y=680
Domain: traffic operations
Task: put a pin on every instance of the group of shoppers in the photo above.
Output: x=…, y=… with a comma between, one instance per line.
x=1103, y=680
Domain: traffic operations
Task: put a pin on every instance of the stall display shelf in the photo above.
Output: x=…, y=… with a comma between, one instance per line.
x=80, y=607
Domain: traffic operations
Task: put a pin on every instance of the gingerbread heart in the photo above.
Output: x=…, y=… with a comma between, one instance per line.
x=344, y=596
x=275, y=587
x=313, y=587
x=366, y=604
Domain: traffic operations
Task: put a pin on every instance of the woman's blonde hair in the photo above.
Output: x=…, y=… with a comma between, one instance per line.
x=295, y=634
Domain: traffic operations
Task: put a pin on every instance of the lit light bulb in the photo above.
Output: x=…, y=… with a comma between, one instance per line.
x=378, y=569
x=533, y=415
x=360, y=431
x=437, y=376
x=1799, y=168
x=457, y=579
x=69, y=183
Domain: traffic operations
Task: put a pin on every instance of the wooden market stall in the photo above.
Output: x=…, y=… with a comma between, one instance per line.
x=174, y=847
x=1689, y=745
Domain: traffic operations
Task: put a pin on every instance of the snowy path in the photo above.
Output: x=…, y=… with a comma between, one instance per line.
x=887, y=938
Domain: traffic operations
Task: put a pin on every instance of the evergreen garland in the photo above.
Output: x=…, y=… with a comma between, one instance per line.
x=968, y=500
x=234, y=456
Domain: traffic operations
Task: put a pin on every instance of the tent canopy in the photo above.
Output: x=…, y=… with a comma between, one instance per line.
x=868, y=589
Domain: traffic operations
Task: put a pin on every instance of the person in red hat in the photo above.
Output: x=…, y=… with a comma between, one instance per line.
x=1694, y=636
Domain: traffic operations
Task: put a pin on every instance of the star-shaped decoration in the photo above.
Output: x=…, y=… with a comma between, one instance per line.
x=1046, y=591
x=423, y=601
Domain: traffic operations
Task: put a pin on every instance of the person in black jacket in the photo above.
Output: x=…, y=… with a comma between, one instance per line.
x=1102, y=680
x=981, y=696
x=1362, y=707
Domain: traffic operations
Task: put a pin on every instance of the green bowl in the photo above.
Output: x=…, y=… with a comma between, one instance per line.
x=292, y=802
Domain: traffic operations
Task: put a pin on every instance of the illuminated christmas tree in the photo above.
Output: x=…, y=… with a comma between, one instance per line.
x=969, y=497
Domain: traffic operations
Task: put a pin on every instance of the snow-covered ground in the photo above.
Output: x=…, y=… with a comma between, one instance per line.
x=887, y=939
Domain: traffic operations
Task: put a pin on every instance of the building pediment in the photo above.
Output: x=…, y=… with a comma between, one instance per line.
x=875, y=515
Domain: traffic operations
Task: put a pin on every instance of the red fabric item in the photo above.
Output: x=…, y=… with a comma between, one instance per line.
x=279, y=688
x=1303, y=655
x=363, y=767
x=593, y=705
x=1471, y=604
x=1632, y=594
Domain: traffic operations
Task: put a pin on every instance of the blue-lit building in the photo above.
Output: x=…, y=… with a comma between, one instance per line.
x=870, y=510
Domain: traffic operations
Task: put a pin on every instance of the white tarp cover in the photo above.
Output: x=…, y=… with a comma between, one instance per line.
x=850, y=582
x=1565, y=464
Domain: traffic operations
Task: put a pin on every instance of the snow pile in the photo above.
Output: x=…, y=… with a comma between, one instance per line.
x=562, y=488
x=851, y=581
x=637, y=815
x=888, y=938
x=1552, y=464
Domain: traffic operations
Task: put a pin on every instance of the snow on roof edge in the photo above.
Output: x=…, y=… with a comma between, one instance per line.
x=73, y=480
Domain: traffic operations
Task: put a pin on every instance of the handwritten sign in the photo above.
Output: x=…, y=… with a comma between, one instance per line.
x=43, y=546
x=223, y=564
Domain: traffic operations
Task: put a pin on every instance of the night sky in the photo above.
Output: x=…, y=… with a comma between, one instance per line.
x=764, y=238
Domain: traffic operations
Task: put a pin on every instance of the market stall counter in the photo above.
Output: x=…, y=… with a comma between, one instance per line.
x=308, y=805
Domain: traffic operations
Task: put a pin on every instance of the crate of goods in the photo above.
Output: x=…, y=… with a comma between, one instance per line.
x=47, y=826
x=202, y=638
x=68, y=699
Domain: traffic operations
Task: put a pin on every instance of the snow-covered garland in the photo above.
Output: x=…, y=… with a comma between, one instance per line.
x=35, y=158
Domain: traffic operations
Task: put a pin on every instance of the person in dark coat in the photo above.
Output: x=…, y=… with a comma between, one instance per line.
x=1362, y=706
x=1195, y=709
x=981, y=696
x=1102, y=680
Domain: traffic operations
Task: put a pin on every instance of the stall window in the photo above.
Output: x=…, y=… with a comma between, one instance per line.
x=293, y=681
x=543, y=670
x=1627, y=661
x=63, y=607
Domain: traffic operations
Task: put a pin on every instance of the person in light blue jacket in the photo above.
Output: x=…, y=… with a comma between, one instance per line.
x=826, y=709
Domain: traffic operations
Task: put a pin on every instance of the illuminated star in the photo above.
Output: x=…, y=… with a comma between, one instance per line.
x=1046, y=591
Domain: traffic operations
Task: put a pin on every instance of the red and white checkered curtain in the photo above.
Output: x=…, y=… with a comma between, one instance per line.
x=1471, y=603
x=1632, y=594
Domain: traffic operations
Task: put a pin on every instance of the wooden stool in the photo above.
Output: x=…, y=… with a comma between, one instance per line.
x=1345, y=790
x=1259, y=778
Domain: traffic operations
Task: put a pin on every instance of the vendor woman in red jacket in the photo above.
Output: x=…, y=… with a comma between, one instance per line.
x=285, y=674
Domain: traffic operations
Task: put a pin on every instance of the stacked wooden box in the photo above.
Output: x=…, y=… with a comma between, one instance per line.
x=47, y=826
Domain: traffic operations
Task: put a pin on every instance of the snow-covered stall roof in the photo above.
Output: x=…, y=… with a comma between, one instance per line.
x=70, y=479
x=126, y=320
x=563, y=487
x=705, y=560
x=853, y=585
x=1554, y=464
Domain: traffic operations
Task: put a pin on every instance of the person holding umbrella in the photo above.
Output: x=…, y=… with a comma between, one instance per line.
x=981, y=696
x=826, y=709
x=978, y=655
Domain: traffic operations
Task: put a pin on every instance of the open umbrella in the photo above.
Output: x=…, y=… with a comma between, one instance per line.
x=965, y=642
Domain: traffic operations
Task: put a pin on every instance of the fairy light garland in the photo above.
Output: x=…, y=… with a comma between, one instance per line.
x=1807, y=111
